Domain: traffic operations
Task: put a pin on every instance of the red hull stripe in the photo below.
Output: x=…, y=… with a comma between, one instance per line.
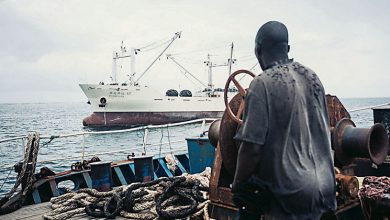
x=145, y=118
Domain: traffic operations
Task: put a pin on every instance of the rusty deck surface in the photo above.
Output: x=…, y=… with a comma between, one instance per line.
x=36, y=211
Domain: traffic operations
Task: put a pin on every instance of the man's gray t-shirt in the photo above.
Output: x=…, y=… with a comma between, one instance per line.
x=286, y=113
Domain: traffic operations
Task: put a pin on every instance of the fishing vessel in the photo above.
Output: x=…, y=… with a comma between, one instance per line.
x=361, y=154
x=133, y=104
x=143, y=171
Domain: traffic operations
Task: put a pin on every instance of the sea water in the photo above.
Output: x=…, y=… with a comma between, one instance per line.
x=66, y=118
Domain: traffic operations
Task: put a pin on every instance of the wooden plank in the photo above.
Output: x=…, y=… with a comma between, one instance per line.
x=181, y=167
x=53, y=187
x=29, y=212
x=36, y=196
x=165, y=167
x=87, y=179
x=131, y=165
x=119, y=173
x=36, y=211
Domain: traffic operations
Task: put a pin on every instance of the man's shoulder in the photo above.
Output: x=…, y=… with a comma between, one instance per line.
x=301, y=69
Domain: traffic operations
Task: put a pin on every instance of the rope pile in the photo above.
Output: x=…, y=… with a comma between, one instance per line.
x=375, y=197
x=25, y=176
x=167, y=198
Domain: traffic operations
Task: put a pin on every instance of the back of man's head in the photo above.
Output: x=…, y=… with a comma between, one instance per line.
x=272, y=32
x=271, y=43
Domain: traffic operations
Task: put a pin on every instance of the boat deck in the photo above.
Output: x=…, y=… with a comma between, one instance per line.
x=36, y=211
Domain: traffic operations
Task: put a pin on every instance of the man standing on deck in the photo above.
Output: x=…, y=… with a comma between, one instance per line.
x=284, y=165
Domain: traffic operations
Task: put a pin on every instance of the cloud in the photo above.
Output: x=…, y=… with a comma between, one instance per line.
x=48, y=47
x=21, y=39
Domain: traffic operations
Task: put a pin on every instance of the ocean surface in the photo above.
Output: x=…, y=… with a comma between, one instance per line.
x=66, y=118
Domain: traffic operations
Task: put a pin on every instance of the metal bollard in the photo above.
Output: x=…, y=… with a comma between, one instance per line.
x=350, y=142
x=101, y=176
x=201, y=154
x=144, y=169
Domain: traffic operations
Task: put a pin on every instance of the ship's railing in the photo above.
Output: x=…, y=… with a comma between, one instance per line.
x=145, y=143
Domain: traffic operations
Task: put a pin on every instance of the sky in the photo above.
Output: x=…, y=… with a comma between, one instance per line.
x=48, y=47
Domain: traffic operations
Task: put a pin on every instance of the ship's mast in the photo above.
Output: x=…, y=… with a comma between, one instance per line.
x=210, y=65
x=210, y=74
x=231, y=61
x=116, y=56
x=113, y=74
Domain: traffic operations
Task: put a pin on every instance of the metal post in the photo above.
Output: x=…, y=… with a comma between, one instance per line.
x=132, y=64
x=145, y=139
x=231, y=59
x=202, y=127
x=210, y=64
x=83, y=148
x=113, y=74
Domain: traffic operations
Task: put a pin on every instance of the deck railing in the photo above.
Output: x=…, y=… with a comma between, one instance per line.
x=145, y=143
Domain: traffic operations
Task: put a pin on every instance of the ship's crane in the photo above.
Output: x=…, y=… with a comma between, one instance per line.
x=177, y=35
x=125, y=53
x=169, y=56
x=210, y=65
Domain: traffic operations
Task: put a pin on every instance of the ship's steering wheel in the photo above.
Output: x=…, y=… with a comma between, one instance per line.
x=236, y=117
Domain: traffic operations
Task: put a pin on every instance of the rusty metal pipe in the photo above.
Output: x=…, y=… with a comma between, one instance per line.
x=350, y=142
x=213, y=133
x=347, y=188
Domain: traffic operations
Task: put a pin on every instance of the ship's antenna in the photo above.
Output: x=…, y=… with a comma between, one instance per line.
x=169, y=56
x=231, y=61
x=177, y=35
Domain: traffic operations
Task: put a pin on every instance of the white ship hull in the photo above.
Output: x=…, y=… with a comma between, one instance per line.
x=116, y=105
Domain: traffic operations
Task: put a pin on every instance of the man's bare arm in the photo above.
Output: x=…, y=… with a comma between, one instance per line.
x=247, y=161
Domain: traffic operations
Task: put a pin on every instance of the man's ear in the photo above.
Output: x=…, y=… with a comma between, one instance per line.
x=288, y=48
x=258, y=50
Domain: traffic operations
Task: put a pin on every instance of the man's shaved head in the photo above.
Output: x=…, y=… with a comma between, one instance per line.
x=271, y=44
x=272, y=32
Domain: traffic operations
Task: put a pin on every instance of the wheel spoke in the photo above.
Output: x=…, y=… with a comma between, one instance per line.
x=236, y=117
x=240, y=109
x=239, y=87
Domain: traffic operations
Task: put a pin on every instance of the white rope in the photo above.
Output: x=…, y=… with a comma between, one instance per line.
x=368, y=107
x=84, y=155
x=114, y=131
x=7, y=166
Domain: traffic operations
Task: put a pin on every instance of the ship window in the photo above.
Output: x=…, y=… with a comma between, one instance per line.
x=186, y=100
x=158, y=99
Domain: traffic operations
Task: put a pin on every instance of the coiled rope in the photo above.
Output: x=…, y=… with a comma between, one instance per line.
x=168, y=198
